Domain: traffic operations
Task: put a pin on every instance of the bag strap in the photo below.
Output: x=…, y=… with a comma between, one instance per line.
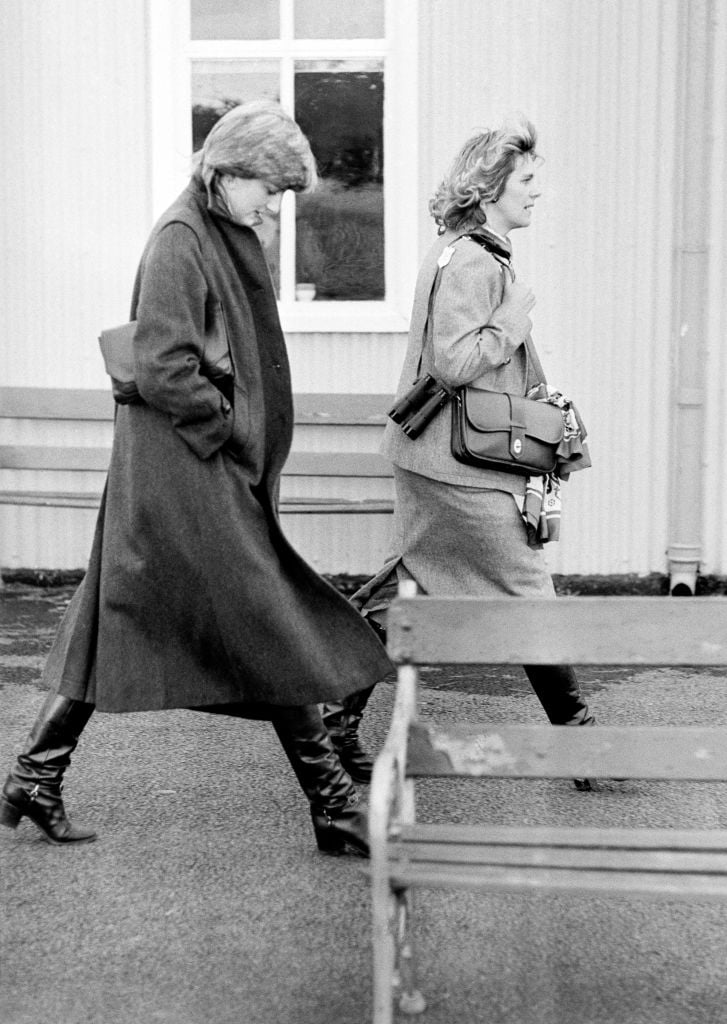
x=537, y=376
x=534, y=373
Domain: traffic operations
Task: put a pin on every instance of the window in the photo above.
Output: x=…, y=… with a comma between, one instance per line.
x=341, y=257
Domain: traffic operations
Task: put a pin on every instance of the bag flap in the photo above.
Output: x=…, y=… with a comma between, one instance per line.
x=117, y=349
x=489, y=411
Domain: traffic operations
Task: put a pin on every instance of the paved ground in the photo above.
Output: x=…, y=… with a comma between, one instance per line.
x=205, y=902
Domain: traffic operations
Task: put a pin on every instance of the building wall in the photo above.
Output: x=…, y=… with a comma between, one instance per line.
x=600, y=80
x=74, y=171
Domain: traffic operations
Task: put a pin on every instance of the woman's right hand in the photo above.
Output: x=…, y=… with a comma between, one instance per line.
x=517, y=296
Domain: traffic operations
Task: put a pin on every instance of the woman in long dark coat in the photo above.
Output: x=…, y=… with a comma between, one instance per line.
x=193, y=598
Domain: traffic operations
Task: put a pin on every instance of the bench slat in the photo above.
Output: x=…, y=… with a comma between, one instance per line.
x=571, y=630
x=577, y=859
x=56, y=403
x=558, y=751
x=98, y=404
x=288, y=506
x=51, y=499
x=88, y=458
x=582, y=837
x=328, y=506
x=607, y=883
x=72, y=458
x=340, y=410
x=338, y=464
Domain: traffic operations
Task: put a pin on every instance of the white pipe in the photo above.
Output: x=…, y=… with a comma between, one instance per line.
x=684, y=552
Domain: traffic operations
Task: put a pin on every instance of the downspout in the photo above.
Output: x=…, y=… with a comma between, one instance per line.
x=686, y=497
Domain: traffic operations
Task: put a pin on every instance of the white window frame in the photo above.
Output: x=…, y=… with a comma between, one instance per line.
x=170, y=55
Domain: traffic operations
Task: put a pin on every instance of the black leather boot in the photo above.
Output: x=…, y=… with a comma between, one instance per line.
x=339, y=823
x=557, y=689
x=342, y=721
x=34, y=786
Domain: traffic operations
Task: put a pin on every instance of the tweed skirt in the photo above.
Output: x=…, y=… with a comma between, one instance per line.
x=456, y=539
x=453, y=539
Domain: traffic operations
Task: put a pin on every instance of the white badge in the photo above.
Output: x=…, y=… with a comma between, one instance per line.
x=446, y=256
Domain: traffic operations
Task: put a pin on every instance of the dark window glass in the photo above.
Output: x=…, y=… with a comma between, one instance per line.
x=340, y=227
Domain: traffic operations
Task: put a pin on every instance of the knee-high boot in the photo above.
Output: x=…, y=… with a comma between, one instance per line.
x=340, y=825
x=342, y=720
x=557, y=689
x=34, y=786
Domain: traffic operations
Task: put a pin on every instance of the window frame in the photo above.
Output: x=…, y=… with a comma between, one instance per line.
x=171, y=54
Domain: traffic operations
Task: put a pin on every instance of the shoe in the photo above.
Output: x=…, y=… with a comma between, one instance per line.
x=344, y=832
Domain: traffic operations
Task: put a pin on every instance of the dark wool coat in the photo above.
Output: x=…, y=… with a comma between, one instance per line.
x=193, y=596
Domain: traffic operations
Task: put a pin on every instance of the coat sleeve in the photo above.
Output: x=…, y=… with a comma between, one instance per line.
x=473, y=332
x=169, y=341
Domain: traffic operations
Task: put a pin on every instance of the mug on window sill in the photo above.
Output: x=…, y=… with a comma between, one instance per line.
x=305, y=292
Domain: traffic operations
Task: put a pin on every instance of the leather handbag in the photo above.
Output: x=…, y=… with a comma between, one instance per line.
x=505, y=432
x=117, y=349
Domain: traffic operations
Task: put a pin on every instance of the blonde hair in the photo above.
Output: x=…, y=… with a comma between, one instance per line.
x=479, y=172
x=257, y=140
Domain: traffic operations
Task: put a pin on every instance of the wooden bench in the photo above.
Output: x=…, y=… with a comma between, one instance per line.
x=405, y=854
x=334, y=463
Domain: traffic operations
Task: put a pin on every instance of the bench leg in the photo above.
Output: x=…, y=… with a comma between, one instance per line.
x=411, y=1000
x=385, y=954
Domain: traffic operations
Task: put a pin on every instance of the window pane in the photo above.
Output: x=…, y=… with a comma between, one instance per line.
x=235, y=19
x=331, y=19
x=219, y=85
x=340, y=227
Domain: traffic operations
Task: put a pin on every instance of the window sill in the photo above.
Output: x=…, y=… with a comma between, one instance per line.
x=341, y=317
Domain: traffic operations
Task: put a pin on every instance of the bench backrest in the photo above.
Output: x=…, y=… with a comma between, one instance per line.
x=572, y=630
x=311, y=410
x=428, y=631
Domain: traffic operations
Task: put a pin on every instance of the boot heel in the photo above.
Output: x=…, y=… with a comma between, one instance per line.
x=330, y=843
x=346, y=833
x=9, y=815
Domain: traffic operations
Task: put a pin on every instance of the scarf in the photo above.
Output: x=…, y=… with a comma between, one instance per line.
x=542, y=505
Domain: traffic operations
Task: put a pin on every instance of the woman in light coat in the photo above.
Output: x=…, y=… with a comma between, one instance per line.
x=193, y=597
x=459, y=529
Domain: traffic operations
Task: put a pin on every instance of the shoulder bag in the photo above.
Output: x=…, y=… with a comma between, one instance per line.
x=117, y=349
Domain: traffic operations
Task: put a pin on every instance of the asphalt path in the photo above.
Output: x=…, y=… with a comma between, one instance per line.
x=204, y=901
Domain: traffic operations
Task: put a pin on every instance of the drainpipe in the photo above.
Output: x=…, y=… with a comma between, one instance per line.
x=684, y=551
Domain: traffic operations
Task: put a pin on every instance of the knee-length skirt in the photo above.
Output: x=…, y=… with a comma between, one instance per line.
x=453, y=539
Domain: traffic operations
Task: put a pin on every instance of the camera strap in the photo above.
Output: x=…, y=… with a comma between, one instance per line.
x=500, y=249
x=483, y=237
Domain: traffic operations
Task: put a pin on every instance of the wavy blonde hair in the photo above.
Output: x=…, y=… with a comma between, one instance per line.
x=257, y=140
x=479, y=172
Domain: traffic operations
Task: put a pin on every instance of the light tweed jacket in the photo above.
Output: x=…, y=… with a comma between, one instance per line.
x=473, y=340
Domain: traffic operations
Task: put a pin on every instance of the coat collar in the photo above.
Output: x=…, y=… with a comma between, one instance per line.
x=493, y=242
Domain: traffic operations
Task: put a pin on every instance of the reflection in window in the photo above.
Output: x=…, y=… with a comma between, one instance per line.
x=235, y=19
x=340, y=227
x=217, y=86
x=331, y=19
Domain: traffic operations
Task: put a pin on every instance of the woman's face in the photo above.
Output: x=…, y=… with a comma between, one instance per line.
x=248, y=198
x=514, y=208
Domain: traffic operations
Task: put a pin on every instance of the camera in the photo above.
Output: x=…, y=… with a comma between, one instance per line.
x=418, y=407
